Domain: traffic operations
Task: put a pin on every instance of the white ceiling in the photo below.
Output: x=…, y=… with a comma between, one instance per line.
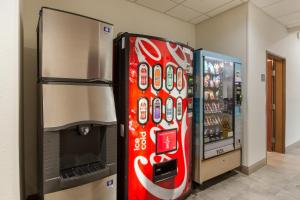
x=193, y=11
x=287, y=12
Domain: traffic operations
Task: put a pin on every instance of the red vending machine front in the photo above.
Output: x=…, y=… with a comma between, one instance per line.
x=153, y=84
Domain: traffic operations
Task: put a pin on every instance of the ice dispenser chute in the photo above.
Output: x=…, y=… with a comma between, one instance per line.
x=79, y=135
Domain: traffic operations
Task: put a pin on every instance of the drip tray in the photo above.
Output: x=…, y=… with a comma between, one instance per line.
x=82, y=170
x=83, y=174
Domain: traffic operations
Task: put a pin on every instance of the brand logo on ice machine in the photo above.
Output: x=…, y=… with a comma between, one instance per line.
x=106, y=29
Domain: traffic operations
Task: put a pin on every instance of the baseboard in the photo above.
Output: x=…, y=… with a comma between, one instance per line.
x=253, y=168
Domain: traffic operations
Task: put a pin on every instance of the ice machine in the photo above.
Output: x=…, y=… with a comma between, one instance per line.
x=77, y=121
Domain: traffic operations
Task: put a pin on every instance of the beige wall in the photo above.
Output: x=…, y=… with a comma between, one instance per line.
x=227, y=33
x=126, y=17
x=9, y=99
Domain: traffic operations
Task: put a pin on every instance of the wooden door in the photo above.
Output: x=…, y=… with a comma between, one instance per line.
x=275, y=104
x=279, y=114
x=269, y=83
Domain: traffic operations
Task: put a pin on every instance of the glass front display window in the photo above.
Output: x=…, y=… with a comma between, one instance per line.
x=218, y=99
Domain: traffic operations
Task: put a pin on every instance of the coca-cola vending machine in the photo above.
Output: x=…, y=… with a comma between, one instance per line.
x=153, y=85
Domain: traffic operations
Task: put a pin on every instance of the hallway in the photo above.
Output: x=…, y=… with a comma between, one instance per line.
x=279, y=180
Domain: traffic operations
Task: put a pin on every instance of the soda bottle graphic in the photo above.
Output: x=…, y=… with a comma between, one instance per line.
x=157, y=77
x=157, y=110
x=179, y=78
x=143, y=111
x=169, y=110
x=143, y=76
x=179, y=109
x=170, y=76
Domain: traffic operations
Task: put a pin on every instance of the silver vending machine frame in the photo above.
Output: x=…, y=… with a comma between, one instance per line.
x=223, y=159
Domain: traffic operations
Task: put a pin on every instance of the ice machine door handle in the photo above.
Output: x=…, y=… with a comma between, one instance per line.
x=122, y=130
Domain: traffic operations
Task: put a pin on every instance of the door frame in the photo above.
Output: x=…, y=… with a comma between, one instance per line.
x=270, y=54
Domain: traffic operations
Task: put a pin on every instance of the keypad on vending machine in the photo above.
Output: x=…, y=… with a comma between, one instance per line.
x=190, y=91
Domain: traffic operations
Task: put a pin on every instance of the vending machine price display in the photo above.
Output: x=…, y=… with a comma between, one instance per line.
x=166, y=141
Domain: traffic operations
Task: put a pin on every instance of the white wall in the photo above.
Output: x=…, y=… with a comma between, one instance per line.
x=289, y=47
x=267, y=34
x=9, y=99
x=126, y=17
x=227, y=33
x=263, y=32
x=247, y=32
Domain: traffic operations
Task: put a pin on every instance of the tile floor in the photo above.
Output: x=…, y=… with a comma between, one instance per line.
x=279, y=180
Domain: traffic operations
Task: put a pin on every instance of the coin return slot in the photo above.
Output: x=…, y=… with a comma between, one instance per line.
x=165, y=170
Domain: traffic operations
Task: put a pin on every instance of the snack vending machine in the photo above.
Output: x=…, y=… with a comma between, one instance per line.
x=217, y=114
x=153, y=81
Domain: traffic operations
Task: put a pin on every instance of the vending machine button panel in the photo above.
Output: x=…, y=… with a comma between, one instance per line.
x=191, y=80
x=190, y=91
